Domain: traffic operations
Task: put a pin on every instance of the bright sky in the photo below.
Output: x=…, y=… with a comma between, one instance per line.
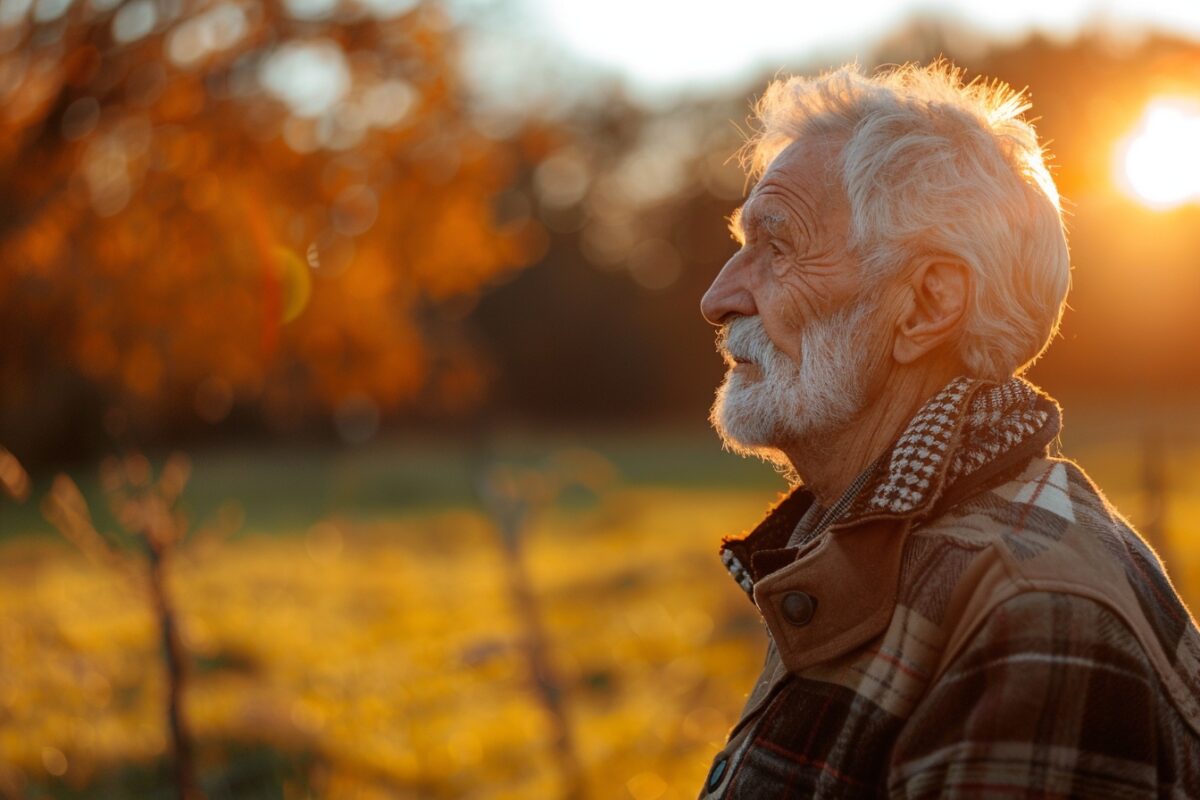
x=672, y=44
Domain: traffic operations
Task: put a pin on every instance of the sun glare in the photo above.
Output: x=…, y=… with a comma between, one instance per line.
x=1158, y=162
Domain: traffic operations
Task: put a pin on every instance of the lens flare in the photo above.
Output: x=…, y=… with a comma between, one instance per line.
x=1157, y=164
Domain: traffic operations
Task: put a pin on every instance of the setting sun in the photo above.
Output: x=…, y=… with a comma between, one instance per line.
x=1157, y=163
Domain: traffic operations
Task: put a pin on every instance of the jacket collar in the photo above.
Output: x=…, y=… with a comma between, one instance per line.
x=960, y=441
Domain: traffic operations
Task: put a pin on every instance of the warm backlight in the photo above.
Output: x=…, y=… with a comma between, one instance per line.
x=1159, y=163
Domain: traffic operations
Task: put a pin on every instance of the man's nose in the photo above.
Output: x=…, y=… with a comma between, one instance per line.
x=729, y=295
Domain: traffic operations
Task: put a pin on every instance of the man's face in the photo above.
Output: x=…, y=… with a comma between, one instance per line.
x=795, y=324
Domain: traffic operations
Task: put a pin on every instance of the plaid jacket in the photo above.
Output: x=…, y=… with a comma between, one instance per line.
x=978, y=622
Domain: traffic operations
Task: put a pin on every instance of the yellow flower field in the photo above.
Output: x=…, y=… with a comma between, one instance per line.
x=385, y=657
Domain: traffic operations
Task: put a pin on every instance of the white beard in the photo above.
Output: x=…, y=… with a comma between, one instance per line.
x=788, y=404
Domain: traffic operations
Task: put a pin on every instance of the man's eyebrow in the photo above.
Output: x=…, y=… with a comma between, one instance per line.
x=773, y=222
x=735, y=226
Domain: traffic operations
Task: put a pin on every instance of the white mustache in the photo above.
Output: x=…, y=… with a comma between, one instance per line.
x=745, y=339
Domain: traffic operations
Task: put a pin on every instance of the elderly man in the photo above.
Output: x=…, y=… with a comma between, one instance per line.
x=952, y=611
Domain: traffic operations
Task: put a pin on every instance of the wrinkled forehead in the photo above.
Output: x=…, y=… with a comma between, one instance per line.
x=803, y=180
x=811, y=162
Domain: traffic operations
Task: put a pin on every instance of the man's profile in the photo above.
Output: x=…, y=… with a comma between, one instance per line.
x=952, y=609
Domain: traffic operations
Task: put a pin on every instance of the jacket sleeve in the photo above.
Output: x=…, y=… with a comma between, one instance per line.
x=1052, y=697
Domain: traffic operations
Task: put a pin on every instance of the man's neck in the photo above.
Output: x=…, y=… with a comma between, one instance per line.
x=831, y=462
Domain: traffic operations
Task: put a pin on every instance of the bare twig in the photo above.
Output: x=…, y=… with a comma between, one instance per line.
x=1154, y=495
x=509, y=496
x=146, y=509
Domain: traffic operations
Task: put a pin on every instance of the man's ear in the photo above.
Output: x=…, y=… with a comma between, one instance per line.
x=935, y=309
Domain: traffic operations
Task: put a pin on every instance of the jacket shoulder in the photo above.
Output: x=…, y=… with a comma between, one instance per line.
x=1046, y=496
x=1049, y=529
x=1051, y=508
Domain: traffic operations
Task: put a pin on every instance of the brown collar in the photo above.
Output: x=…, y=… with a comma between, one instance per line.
x=834, y=593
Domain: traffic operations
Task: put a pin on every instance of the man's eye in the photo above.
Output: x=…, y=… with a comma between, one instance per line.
x=778, y=249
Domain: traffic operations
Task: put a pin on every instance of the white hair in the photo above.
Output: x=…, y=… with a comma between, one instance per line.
x=932, y=165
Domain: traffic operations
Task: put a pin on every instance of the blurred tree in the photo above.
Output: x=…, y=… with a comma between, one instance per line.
x=635, y=201
x=224, y=203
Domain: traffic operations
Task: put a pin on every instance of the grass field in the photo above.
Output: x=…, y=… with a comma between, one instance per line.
x=359, y=637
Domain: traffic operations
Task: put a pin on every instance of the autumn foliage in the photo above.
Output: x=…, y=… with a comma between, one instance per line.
x=211, y=205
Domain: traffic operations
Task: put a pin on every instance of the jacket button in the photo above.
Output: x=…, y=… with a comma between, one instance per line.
x=798, y=607
x=717, y=772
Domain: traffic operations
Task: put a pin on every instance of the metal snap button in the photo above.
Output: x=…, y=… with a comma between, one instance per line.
x=799, y=607
x=717, y=772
